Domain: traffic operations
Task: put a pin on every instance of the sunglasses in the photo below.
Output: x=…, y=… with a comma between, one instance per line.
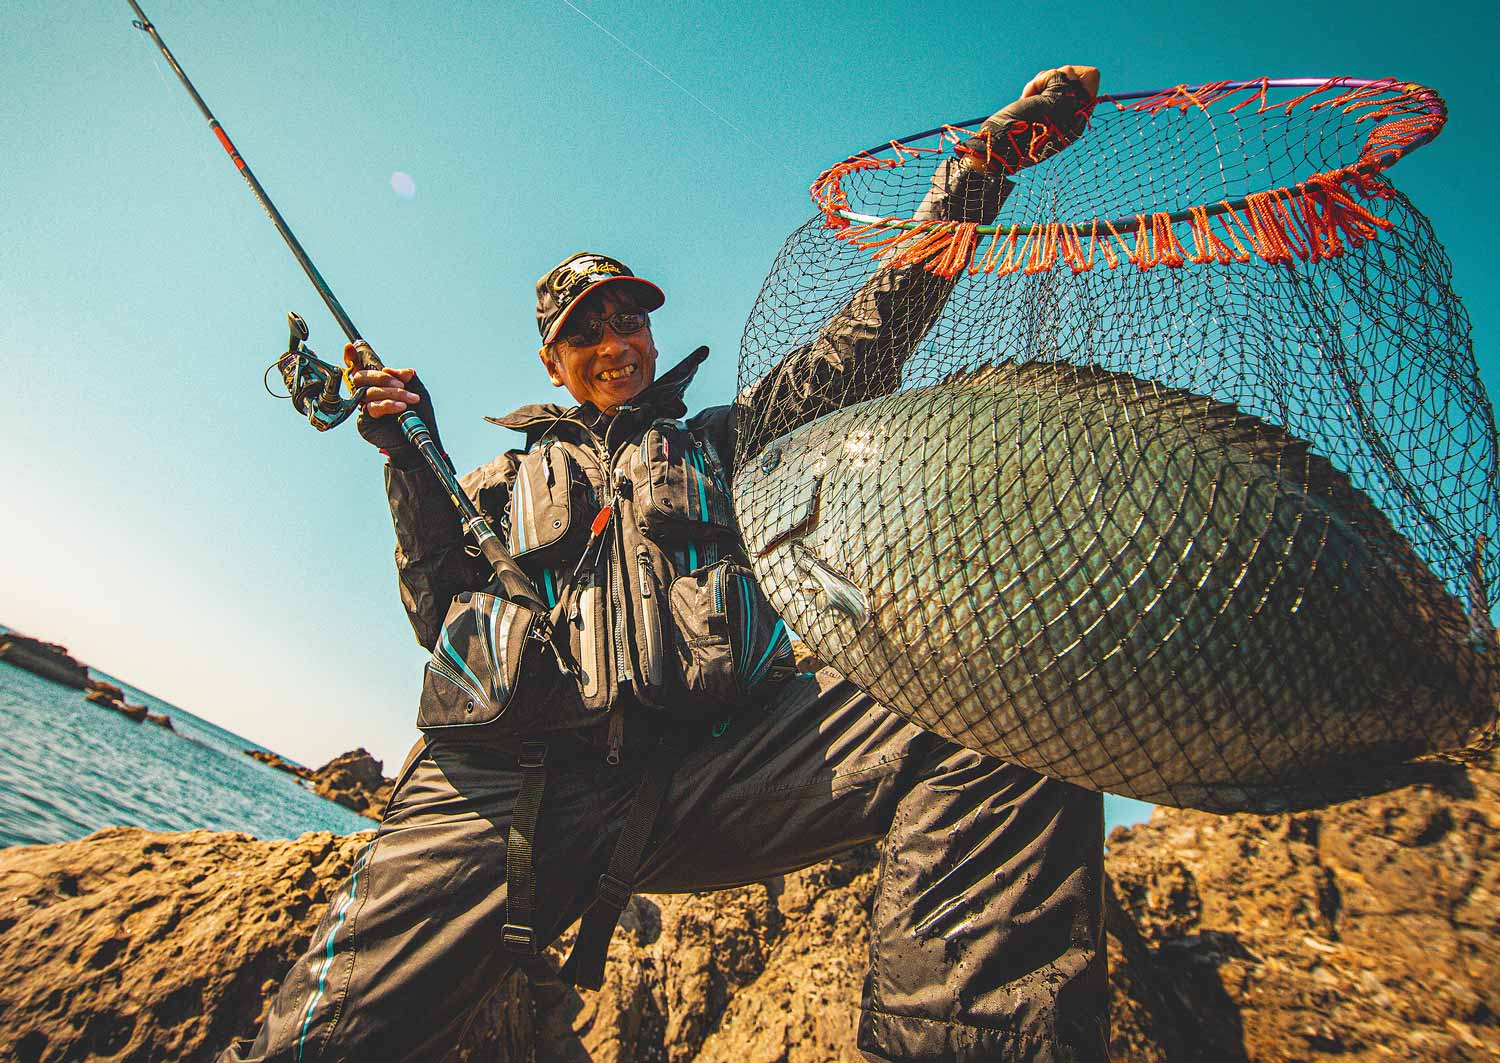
x=590, y=330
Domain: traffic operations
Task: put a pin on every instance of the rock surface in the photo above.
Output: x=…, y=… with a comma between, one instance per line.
x=1365, y=932
x=130, y=945
x=1369, y=931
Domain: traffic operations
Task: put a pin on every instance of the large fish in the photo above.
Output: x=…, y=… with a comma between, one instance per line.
x=1132, y=588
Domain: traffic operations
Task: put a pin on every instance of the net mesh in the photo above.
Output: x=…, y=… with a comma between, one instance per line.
x=1163, y=467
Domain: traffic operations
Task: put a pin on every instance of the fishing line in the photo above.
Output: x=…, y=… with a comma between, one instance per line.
x=190, y=135
x=682, y=88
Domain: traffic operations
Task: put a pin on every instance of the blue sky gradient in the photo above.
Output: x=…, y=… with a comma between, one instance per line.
x=177, y=527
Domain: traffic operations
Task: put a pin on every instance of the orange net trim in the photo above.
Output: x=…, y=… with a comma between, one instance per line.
x=1316, y=219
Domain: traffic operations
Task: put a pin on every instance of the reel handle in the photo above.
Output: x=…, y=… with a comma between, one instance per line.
x=311, y=383
x=515, y=584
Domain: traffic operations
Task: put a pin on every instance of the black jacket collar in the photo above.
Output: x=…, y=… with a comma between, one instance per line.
x=663, y=398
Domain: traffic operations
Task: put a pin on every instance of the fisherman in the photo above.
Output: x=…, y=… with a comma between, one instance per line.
x=661, y=740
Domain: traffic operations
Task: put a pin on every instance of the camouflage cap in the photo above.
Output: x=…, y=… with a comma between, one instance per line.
x=578, y=275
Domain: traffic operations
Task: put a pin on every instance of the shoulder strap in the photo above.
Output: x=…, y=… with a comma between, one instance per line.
x=518, y=933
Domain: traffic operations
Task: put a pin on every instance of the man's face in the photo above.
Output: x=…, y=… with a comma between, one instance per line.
x=611, y=371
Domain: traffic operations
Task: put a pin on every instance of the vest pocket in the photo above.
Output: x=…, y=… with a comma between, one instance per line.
x=729, y=640
x=483, y=654
x=679, y=485
x=551, y=505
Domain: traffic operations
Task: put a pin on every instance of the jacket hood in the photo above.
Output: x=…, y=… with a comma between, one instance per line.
x=662, y=398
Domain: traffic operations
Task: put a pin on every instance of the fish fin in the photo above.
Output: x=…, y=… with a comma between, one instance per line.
x=841, y=593
x=802, y=524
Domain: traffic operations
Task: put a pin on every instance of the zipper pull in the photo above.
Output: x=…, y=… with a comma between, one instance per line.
x=645, y=562
x=574, y=596
x=616, y=737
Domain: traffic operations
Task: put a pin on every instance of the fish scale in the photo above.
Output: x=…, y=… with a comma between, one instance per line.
x=1124, y=586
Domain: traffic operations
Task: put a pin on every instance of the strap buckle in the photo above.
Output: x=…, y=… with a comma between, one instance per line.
x=518, y=937
x=533, y=754
x=614, y=892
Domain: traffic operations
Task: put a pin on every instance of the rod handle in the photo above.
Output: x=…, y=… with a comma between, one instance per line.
x=364, y=357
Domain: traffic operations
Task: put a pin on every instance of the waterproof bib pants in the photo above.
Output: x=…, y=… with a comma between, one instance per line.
x=986, y=930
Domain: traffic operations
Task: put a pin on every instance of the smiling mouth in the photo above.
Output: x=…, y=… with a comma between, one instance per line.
x=617, y=374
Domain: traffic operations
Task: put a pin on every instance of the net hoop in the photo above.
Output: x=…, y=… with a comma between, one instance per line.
x=1309, y=220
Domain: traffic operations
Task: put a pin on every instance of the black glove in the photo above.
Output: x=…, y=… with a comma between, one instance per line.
x=385, y=432
x=1030, y=130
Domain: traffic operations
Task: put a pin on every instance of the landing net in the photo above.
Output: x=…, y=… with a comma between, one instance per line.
x=1213, y=320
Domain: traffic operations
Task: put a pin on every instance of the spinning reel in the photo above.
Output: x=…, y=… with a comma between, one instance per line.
x=311, y=383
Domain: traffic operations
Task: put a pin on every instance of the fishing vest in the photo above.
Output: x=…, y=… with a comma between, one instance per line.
x=633, y=534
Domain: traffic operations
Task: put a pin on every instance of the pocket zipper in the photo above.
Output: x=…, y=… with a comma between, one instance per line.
x=695, y=461
x=485, y=621
x=650, y=620
x=616, y=737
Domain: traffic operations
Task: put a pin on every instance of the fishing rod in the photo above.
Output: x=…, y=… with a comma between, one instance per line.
x=313, y=384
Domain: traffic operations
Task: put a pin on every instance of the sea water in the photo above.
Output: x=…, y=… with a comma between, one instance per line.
x=68, y=768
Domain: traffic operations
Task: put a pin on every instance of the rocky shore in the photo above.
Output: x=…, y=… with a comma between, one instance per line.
x=1365, y=932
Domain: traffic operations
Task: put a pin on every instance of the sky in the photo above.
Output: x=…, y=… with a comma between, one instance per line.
x=178, y=528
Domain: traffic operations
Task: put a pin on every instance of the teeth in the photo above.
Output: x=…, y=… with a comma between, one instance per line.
x=616, y=374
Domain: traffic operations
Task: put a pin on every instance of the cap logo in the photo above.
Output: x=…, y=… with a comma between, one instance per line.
x=570, y=280
x=587, y=266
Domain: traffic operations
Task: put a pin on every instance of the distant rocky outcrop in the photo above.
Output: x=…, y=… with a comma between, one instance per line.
x=1366, y=932
x=352, y=779
x=355, y=781
x=46, y=659
x=54, y=662
x=275, y=760
x=109, y=696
